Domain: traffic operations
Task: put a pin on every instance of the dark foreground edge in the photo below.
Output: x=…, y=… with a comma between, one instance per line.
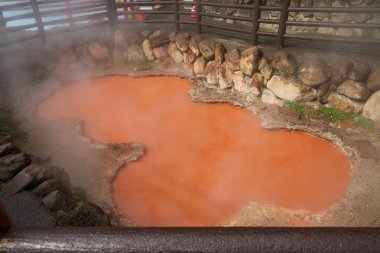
x=191, y=240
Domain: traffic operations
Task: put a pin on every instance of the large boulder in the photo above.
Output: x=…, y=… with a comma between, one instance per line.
x=120, y=40
x=225, y=77
x=249, y=60
x=45, y=188
x=256, y=84
x=207, y=49
x=340, y=73
x=99, y=52
x=8, y=149
x=194, y=44
x=268, y=97
x=265, y=68
x=159, y=38
x=182, y=41
x=120, y=55
x=199, y=65
x=175, y=53
x=291, y=90
x=25, y=179
x=232, y=59
x=211, y=72
x=371, y=108
x=323, y=93
x=56, y=200
x=135, y=53
x=161, y=53
x=240, y=81
x=313, y=72
x=220, y=50
x=353, y=89
x=344, y=104
x=373, y=82
x=85, y=215
x=189, y=57
x=359, y=72
x=148, y=51
x=285, y=64
x=10, y=165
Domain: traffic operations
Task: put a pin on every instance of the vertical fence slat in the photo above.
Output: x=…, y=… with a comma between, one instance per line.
x=282, y=26
x=176, y=16
x=255, y=24
x=37, y=17
x=3, y=25
x=198, y=6
x=112, y=13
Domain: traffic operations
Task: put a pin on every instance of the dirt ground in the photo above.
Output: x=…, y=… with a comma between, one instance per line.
x=64, y=145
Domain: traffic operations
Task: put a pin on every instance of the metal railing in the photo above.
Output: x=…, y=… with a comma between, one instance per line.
x=82, y=13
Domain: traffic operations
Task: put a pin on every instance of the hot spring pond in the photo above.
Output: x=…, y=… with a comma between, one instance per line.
x=204, y=162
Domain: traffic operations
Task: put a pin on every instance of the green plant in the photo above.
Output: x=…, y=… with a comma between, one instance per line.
x=79, y=194
x=330, y=115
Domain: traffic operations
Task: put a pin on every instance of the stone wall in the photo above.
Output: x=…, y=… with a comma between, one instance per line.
x=348, y=86
x=309, y=16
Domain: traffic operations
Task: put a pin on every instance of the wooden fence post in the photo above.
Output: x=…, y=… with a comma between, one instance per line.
x=198, y=6
x=112, y=13
x=255, y=22
x=176, y=16
x=37, y=17
x=3, y=25
x=282, y=24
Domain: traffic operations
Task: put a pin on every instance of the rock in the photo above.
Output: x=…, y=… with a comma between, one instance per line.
x=10, y=165
x=240, y=82
x=359, y=72
x=285, y=64
x=344, y=104
x=199, y=65
x=175, y=53
x=225, y=77
x=313, y=72
x=291, y=90
x=371, y=108
x=194, y=44
x=135, y=53
x=45, y=188
x=207, y=49
x=182, y=41
x=25, y=179
x=161, y=53
x=211, y=72
x=146, y=33
x=3, y=140
x=232, y=59
x=56, y=200
x=148, y=51
x=120, y=39
x=373, y=82
x=249, y=60
x=268, y=97
x=85, y=215
x=352, y=89
x=8, y=149
x=189, y=57
x=99, y=52
x=220, y=50
x=323, y=93
x=158, y=38
x=120, y=55
x=340, y=73
x=256, y=84
x=172, y=36
x=265, y=68
x=25, y=211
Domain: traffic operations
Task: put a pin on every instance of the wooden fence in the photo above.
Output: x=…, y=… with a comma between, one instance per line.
x=82, y=13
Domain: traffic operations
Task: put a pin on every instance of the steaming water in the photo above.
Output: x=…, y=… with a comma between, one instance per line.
x=204, y=162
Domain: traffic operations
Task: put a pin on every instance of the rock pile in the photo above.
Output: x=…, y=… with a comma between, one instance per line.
x=345, y=87
x=24, y=181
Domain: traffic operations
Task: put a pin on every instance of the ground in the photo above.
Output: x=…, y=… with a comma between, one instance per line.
x=359, y=206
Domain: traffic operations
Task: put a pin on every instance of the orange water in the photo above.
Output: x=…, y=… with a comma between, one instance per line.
x=204, y=162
